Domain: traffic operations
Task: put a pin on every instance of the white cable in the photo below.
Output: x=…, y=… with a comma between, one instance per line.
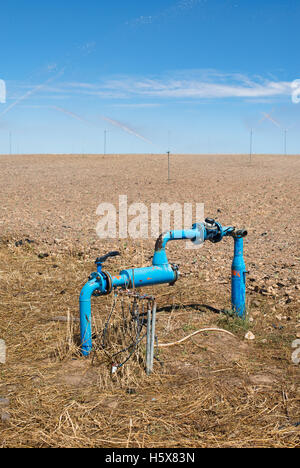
x=166, y=345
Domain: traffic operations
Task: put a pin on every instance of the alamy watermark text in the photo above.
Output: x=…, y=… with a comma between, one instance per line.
x=138, y=221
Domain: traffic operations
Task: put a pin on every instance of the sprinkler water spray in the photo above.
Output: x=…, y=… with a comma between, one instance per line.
x=102, y=283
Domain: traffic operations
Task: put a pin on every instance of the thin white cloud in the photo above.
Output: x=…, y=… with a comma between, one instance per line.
x=212, y=85
x=178, y=7
x=88, y=47
x=52, y=67
x=137, y=106
x=178, y=86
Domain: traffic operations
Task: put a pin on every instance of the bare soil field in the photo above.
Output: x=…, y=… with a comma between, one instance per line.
x=214, y=390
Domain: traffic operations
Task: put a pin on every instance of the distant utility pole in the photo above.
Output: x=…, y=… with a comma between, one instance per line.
x=285, y=138
x=168, y=153
x=10, y=143
x=105, y=134
x=251, y=145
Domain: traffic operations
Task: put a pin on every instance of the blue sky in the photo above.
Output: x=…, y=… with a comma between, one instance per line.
x=191, y=76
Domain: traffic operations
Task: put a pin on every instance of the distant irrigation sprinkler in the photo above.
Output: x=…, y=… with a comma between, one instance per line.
x=102, y=283
x=278, y=125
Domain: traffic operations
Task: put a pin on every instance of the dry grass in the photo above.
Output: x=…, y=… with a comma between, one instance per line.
x=212, y=391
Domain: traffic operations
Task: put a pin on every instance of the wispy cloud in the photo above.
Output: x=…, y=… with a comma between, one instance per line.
x=149, y=91
x=141, y=105
x=178, y=7
x=186, y=85
x=88, y=47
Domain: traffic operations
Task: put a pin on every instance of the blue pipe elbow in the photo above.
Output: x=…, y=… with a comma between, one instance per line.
x=196, y=235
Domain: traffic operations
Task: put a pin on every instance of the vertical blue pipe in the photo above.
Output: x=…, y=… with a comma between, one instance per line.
x=238, y=279
x=86, y=316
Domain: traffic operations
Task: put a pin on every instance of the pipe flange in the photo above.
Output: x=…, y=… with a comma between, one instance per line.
x=108, y=279
x=109, y=283
x=175, y=269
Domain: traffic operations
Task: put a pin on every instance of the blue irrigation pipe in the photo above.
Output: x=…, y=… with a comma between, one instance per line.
x=238, y=279
x=161, y=272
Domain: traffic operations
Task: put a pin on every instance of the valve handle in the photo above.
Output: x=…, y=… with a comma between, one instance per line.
x=105, y=257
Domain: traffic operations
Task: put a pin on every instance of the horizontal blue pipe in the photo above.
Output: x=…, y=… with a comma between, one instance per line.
x=139, y=277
